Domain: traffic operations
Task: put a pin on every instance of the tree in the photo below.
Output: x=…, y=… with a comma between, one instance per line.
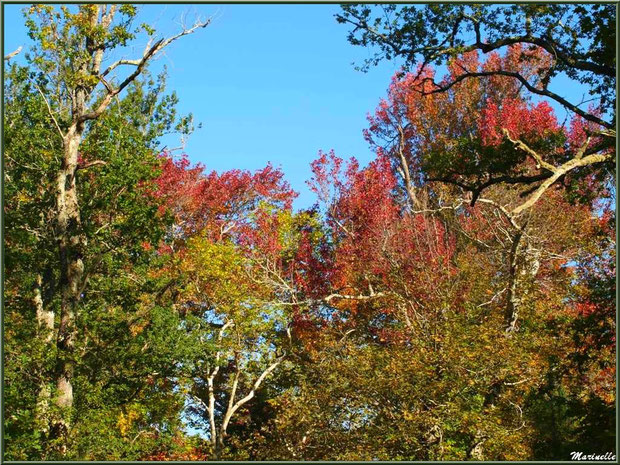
x=118, y=215
x=401, y=358
x=29, y=161
x=383, y=349
x=416, y=283
x=72, y=46
x=229, y=240
x=579, y=37
x=467, y=136
x=451, y=300
x=573, y=39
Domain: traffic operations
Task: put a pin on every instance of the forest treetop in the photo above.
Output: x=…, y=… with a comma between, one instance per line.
x=581, y=38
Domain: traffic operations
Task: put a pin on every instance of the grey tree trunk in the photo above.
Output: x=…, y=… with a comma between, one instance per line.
x=45, y=320
x=512, y=307
x=71, y=248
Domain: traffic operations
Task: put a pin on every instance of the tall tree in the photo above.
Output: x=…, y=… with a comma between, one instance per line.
x=119, y=215
x=419, y=279
x=72, y=45
x=229, y=274
x=66, y=79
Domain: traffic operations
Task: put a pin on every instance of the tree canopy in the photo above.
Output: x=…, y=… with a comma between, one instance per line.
x=453, y=299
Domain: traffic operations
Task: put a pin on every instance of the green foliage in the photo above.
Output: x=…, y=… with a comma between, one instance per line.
x=134, y=347
x=67, y=38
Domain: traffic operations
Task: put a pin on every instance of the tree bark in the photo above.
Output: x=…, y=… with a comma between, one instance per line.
x=45, y=316
x=512, y=307
x=69, y=235
x=45, y=320
x=71, y=244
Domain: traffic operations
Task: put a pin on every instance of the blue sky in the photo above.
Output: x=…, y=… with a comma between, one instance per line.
x=268, y=83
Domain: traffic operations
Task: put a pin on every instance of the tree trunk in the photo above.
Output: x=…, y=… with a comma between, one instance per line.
x=45, y=320
x=71, y=245
x=45, y=317
x=512, y=307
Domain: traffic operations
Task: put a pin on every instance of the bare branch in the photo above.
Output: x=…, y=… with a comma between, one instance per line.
x=524, y=147
x=374, y=295
x=505, y=212
x=257, y=383
x=148, y=54
x=90, y=164
x=456, y=206
x=561, y=171
x=476, y=190
x=118, y=63
x=12, y=54
x=216, y=369
x=49, y=111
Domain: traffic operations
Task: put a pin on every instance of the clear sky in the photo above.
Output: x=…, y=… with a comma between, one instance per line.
x=268, y=83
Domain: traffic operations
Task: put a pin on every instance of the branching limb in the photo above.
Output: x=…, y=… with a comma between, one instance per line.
x=374, y=295
x=106, y=20
x=476, y=190
x=533, y=89
x=560, y=171
x=231, y=410
x=456, y=206
x=584, y=156
x=151, y=51
x=210, y=379
x=508, y=215
x=532, y=153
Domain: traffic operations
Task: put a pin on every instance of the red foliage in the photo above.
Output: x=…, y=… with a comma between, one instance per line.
x=218, y=204
x=376, y=247
x=414, y=123
x=522, y=121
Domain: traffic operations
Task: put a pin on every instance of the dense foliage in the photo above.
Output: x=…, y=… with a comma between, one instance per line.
x=452, y=300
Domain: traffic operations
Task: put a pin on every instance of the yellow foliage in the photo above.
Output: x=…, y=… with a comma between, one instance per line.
x=125, y=421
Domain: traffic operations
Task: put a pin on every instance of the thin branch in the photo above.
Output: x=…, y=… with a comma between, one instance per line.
x=509, y=216
x=476, y=190
x=90, y=164
x=456, y=206
x=140, y=63
x=376, y=295
x=493, y=298
x=49, y=110
x=12, y=54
